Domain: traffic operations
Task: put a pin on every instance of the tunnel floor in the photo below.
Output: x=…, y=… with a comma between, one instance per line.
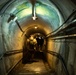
x=35, y=67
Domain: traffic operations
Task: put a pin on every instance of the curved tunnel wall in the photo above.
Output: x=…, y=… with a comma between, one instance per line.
x=12, y=33
x=11, y=30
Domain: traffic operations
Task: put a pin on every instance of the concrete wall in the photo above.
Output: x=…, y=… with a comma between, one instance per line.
x=52, y=45
x=68, y=52
x=66, y=7
x=2, y=65
x=11, y=61
x=67, y=49
x=72, y=57
x=8, y=43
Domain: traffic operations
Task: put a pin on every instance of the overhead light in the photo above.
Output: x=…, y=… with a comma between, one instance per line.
x=36, y=27
x=12, y=17
x=34, y=17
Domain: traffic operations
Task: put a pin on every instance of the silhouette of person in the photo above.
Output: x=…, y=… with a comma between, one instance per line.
x=40, y=42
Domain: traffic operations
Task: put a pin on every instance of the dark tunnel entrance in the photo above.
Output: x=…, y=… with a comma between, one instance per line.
x=34, y=47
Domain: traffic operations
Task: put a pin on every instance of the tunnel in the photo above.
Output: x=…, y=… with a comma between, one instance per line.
x=37, y=37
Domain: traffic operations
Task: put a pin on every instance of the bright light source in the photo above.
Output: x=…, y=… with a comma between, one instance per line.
x=34, y=17
x=35, y=27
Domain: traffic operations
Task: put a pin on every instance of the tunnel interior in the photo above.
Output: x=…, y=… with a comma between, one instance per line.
x=32, y=27
x=35, y=45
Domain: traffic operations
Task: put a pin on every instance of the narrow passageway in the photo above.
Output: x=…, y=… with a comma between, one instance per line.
x=37, y=37
x=37, y=66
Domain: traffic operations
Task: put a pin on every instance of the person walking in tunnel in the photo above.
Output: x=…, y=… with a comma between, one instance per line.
x=31, y=47
x=40, y=42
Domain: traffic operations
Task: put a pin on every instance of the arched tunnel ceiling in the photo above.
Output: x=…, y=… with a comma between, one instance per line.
x=45, y=10
x=50, y=16
x=24, y=10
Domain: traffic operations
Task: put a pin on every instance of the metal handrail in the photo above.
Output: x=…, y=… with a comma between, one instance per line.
x=13, y=67
x=7, y=53
x=48, y=51
x=61, y=59
x=59, y=28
